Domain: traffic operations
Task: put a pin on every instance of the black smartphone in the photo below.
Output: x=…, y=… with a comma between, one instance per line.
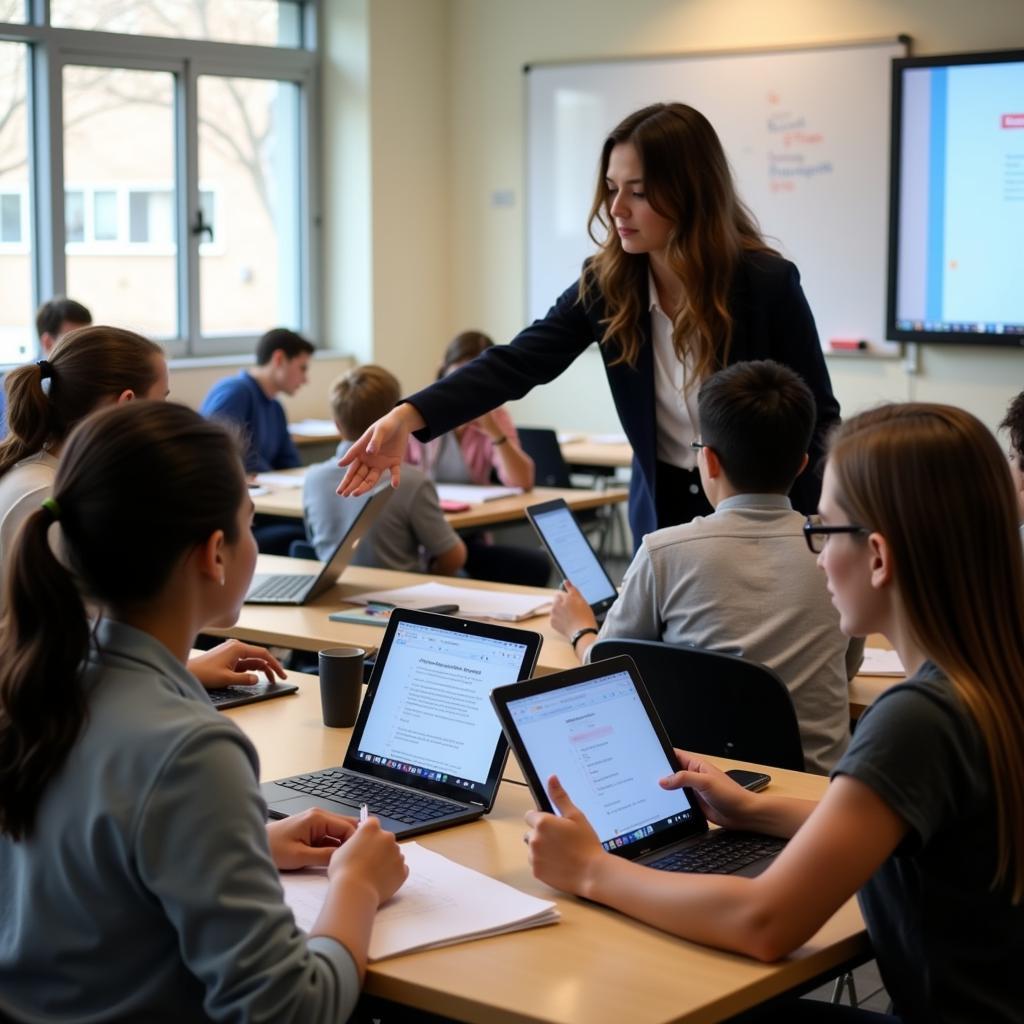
x=749, y=780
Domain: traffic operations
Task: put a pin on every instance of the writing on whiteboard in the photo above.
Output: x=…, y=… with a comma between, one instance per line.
x=793, y=148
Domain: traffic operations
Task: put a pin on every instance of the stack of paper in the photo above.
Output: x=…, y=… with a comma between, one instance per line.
x=281, y=479
x=471, y=494
x=314, y=428
x=440, y=904
x=500, y=605
x=879, y=662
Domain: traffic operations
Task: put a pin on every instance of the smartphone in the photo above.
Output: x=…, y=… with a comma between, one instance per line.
x=749, y=780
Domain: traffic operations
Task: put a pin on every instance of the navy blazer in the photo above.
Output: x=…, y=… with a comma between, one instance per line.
x=771, y=320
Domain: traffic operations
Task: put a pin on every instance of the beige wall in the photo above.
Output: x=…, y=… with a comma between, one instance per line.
x=447, y=129
x=189, y=384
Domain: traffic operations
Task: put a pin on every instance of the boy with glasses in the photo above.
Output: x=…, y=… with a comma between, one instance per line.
x=741, y=581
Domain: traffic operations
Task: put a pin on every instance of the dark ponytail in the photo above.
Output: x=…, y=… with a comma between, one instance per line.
x=85, y=367
x=139, y=484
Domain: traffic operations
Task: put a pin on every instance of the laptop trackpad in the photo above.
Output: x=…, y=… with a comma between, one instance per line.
x=303, y=802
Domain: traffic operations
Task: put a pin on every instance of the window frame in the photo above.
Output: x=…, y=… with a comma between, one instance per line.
x=51, y=49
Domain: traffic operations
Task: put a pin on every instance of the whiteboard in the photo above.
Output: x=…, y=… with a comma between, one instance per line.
x=805, y=130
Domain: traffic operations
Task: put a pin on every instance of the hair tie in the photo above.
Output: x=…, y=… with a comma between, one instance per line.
x=45, y=369
x=51, y=506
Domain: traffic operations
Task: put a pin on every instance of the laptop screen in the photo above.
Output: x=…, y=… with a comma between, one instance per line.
x=597, y=737
x=430, y=715
x=574, y=556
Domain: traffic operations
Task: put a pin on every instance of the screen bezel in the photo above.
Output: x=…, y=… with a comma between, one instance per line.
x=500, y=698
x=559, y=505
x=450, y=624
x=894, y=333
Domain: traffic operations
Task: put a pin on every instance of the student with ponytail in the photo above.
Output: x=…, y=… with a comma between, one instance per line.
x=139, y=876
x=89, y=368
x=925, y=812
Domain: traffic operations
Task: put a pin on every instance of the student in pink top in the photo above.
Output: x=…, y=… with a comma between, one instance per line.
x=475, y=453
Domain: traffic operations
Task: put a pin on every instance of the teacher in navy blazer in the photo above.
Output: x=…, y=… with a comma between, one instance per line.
x=682, y=284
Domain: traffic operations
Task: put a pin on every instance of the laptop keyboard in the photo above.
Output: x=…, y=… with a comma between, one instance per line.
x=382, y=799
x=279, y=588
x=222, y=696
x=722, y=853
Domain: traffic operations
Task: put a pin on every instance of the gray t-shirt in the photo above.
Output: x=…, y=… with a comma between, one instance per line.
x=742, y=582
x=411, y=522
x=950, y=949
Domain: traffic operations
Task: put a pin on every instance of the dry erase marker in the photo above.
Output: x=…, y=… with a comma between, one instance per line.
x=364, y=813
x=848, y=344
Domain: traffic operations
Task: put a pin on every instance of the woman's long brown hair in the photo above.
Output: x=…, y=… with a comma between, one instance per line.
x=138, y=485
x=687, y=180
x=932, y=480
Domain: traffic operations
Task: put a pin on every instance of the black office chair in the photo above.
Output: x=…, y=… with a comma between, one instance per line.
x=716, y=703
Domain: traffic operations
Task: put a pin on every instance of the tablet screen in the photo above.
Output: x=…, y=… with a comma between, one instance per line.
x=597, y=737
x=574, y=556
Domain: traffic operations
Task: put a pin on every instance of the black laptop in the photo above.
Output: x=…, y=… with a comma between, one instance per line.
x=237, y=696
x=295, y=588
x=597, y=730
x=572, y=554
x=427, y=750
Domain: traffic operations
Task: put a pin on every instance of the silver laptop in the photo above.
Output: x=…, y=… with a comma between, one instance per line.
x=286, y=588
x=596, y=728
x=427, y=750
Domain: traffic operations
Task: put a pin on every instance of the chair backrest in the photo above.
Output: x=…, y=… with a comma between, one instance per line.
x=541, y=444
x=715, y=703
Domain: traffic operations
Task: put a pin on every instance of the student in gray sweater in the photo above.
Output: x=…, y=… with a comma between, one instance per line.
x=739, y=581
x=412, y=533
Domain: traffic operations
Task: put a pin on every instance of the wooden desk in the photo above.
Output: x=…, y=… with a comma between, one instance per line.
x=584, y=452
x=308, y=628
x=287, y=501
x=596, y=965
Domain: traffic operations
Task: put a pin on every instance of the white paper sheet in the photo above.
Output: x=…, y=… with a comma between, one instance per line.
x=440, y=904
x=501, y=605
x=314, y=428
x=471, y=494
x=879, y=662
x=279, y=480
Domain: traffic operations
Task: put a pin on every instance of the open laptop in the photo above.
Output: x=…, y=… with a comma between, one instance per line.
x=287, y=588
x=572, y=554
x=597, y=730
x=427, y=750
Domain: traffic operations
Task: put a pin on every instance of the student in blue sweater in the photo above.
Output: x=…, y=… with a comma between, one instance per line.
x=139, y=877
x=249, y=399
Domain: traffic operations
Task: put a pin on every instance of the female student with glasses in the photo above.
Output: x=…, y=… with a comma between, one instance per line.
x=682, y=284
x=139, y=879
x=924, y=817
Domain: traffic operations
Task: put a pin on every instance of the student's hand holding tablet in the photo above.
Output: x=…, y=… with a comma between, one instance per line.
x=722, y=800
x=564, y=849
x=571, y=613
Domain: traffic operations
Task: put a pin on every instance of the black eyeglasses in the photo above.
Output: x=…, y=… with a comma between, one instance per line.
x=816, y=533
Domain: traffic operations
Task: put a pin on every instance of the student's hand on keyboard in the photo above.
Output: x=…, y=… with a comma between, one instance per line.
x=308, y=839
x=722, y=800
x=371, y=857
x=564, y=851
x=234, y=663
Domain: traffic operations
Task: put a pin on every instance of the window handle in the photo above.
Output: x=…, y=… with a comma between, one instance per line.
x=201, y=227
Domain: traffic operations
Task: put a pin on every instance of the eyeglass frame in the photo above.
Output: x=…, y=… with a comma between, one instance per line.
x=812, y=529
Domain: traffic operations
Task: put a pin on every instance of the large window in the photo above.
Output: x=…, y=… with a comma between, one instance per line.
x=158, y=169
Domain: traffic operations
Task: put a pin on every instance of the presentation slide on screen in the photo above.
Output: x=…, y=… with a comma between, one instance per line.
x=598, y=739
x=962, y=198
x=432, y=705
x=574, y=554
